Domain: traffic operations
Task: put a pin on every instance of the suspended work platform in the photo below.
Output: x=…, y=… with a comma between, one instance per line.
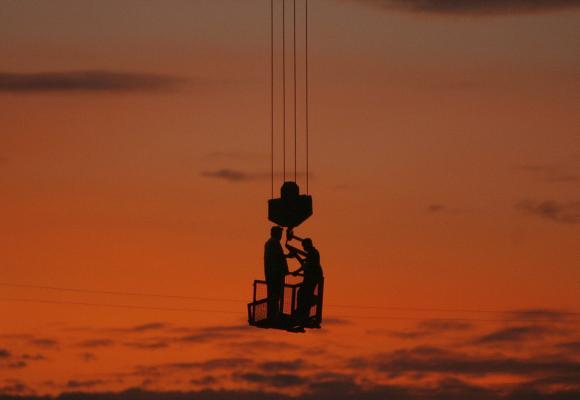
x=288, y=318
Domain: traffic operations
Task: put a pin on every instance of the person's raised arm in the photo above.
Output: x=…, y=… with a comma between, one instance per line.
x=295, y=251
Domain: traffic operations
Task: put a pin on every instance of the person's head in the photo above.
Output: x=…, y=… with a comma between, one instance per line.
x=276, y=232
x=307, y=245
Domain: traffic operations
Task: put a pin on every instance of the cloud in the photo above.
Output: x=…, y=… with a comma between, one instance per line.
x=272, y=380
x=230, y=175
x=204, y=380
x=33, y=357
x=14, y=387
x=437, y=325
x=213, y=333
x=513, y=335
x=239, y=176
x=44, y=343
x=565, y=213
x=292, y=365
x=551, y=173
x=436, y=207
x=333, y=384
x=16, y=365
x=475, y=7
x=208, y=365
x=336, y=321
x=318, y=385
x=148, y=345
x=74, y=384
x=138, y=394
x=93, y=343
x=85, y=81
x=151, y=326
x=88, y=357
x=441, y=361
x=445, y=389
x=570, y=346
x=541, y=314
x=426, y=328
x=168, y=336
x=261, y=345
x=8, y=360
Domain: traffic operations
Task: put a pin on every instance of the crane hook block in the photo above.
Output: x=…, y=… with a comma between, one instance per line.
x=292, y=208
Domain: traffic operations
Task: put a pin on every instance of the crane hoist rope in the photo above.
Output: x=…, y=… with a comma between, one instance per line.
x=292, y=208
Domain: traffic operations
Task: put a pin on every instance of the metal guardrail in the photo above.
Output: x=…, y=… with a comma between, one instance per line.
x=258, y=308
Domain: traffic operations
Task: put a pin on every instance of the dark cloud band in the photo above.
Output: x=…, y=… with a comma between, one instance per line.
x=476, y=7
x=238, y=176
x=85, y=81
x=565, y=213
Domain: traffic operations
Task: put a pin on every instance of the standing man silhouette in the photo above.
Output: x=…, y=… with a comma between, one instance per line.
x=275, y=269
x=309, y=259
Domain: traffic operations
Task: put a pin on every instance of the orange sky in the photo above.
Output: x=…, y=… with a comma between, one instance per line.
x=445, y=160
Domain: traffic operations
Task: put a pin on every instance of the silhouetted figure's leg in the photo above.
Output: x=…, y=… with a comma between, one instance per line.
x=305, y=300
x=274, y=292
x=300, y=305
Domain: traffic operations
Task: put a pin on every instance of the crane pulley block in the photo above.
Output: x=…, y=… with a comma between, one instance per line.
x=292, y=208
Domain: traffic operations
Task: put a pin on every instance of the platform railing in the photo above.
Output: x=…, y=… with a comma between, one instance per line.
x=258, y=308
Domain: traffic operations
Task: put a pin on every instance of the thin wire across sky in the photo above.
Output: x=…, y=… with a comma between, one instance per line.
x=570, y=316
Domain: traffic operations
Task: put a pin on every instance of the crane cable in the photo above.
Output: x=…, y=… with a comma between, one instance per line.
x=295, y=93
x=284, y=89
x=284, y=94
x=272, y=98
x=306, y=95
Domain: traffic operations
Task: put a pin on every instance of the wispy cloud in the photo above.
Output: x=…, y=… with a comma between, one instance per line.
x=10, y=360
x=93, y=343
x=84, y=384
x=439, y=208
x=207, y=365
x=151, y=326
x=44, y=342
x=515, y=334
x=541, y=314
x=88, y=357
x=272, y=380
x=561, y=212
x=551, y=173
x=277, y=366
x=337, y=389
x=148, y=344
x=15, y=387
x=569, y=346
x=85, y=81
x=438, y=360
x=475, y=7
x=427, y=328
x=212, y=333
x=233, y=175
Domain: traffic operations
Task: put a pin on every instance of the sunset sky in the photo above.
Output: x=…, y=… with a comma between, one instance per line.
x=445, y=173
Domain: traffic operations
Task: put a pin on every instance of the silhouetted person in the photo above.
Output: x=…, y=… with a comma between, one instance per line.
x=310, y=264
x=275, y=269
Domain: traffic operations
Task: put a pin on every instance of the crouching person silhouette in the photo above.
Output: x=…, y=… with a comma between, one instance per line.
x=275, y=269
x=309, y=259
